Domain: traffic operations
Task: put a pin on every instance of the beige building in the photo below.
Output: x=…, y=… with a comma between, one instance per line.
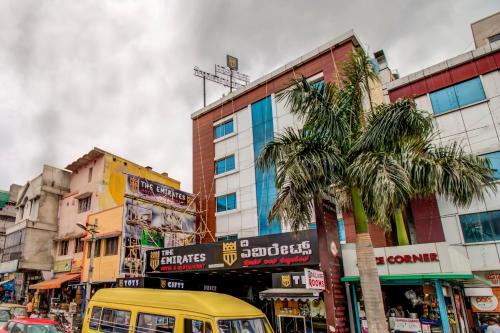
x=486, y=30
x=7, y=214
x=29, y=240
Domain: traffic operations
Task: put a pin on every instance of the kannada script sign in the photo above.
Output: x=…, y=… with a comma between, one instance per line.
x=287, y=249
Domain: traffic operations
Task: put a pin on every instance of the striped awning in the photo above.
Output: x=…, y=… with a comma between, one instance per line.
x=298, y=294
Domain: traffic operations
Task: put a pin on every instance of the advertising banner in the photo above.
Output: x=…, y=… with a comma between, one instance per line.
x=62, y=266
x=148, y=226
x=156, y=192
x=286, y=249
x=314, y=279
x=155, y=216
x=486, y=303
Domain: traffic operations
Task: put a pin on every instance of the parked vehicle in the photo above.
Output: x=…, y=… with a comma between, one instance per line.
x=11, y=311
x=29, y=325
x=122, y=310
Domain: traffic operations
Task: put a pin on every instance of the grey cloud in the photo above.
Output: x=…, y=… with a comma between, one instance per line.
x=118, y=74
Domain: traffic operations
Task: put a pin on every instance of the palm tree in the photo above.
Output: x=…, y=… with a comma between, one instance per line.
x=448, y=171
x=355, y=156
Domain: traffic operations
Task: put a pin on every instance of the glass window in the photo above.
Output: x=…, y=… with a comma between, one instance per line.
x=224, y=165
x=481, y=227
x=469, y=92
x=151, y=323
x=10, y=326
x=242, y=326
x=226, y=202
x=111, y=246
x=41, y=329
x=78, y=245
x=97, y=252
x=84, y=204
x=227, y=238
x=193, y=326
x=63, y=247
x=18, y=328
x=115, y=321
x=458, y=95
x=494, y=159
x=4, y=316
x=444, y=100
x=95, y=317
x=224, y=129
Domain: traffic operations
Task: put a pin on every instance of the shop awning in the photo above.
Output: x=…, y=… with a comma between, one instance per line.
x=55, y=283
x=416, y=277
x=102, y=235
x=298, y=294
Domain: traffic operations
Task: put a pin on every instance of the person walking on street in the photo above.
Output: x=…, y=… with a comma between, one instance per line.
x=29, y=307
x=493, y=325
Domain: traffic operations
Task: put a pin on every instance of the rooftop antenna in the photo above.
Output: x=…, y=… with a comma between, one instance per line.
x=227, y=76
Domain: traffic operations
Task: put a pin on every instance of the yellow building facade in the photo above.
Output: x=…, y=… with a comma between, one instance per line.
x=109, y=216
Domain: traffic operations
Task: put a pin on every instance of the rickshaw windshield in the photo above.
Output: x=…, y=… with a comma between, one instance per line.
x=256, y=325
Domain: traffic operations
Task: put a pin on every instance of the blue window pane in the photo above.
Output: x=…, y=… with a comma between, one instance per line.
x=231, y=201
x=228, y=127
x=221, y=203
x=481, y=227
x=230, y=163
x=262, y=131
x=444, y=100
x=219, y=131
x=469, y=92
x=494, y=159
x=220, y=167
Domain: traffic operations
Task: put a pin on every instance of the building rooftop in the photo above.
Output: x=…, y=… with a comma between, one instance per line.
x=348, y=36
x=444, y=65
x=97, y=153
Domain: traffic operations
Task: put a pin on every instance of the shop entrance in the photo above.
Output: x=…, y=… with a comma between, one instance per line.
x=292, y=324
x=415, y=307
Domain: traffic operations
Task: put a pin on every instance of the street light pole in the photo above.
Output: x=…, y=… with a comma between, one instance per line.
x=92, y=230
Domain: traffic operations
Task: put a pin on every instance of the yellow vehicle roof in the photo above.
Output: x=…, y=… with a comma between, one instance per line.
x=209, y=303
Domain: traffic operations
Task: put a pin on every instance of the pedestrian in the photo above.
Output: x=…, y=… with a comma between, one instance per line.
x=493, y=325
x=29, y=307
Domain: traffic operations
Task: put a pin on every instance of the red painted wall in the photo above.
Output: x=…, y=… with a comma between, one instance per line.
x=448, y=77
x=425, y=212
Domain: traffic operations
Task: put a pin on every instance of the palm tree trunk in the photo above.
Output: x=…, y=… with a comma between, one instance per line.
x=368, y=274
x=401, y=228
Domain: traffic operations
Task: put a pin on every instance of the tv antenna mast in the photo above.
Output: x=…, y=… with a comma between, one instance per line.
x=227, y=76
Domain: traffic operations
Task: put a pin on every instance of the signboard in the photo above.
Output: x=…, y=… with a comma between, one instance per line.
x=232, y=62
x=314, y=279
x=148, y=226
x=289, y=280
x=405, y=324
x=8, y=266
x=486, y=303
x=278, y=250
x=492, y=277
x=429, y=258
x=62, y=266
x=156, y=283
x=156, y=192
x=76, y=265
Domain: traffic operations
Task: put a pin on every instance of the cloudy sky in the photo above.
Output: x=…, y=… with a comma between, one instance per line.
x=119, y=74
